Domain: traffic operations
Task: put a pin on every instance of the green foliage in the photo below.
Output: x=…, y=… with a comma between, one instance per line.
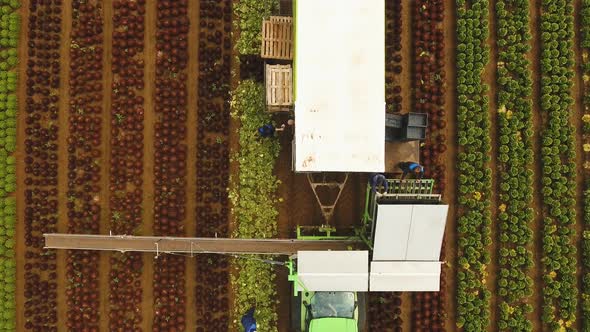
x=254, y=284
x=254, y=196
x=254, y=204
x=473, y=298
x=9, y=29
x=558, y=170
x=515, y=154
x=250, y=14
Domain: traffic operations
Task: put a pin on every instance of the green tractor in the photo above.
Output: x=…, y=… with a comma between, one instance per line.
x=328, y=311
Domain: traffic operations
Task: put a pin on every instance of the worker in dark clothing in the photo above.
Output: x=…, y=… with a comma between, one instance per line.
x=378, y=179
x=411, y=167
x=248, y=321
x=268, y=130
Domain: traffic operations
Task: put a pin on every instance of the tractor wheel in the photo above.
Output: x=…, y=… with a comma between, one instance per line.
x=361, y=299
x=295, y=325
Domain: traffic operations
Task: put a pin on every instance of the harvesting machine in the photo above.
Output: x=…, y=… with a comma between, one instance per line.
x=325, y=65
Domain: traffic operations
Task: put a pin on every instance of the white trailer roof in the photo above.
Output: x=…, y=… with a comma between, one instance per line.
x=409, y=232
x=339, y=86
x=405, y=276
x=333, y=270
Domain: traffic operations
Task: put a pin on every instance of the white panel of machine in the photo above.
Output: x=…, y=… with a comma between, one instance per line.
x=391, y=232
x=333, y=270
x=339, y=86
x=405, y=277
x=426, y=232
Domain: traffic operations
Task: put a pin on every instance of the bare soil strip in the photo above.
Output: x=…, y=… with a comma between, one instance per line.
x=490, y=80
x=148, y=161
x=64, y=102
x=20, y=174
x=451, y=161
x=191, y=177
x=104, y=265
x=576, y=120
x=536, y=271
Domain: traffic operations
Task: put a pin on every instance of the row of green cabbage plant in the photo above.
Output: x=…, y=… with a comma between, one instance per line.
x=9, y=31
x=474, y=183
x=558, y=174
x=515, y=156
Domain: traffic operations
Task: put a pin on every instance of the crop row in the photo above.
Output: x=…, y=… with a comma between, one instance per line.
x=9, y=28
x=429, y=86
x=474, y=181
x=384, y=312
x=170, y=155
x=585, y=242
x=254, y=204
x=428, y=82
x=515, y=156
x=393, y=55
x=84, y=160
x=558, y=163
x=250, y=14
x=40, y=161
x=212, y=168
x=126, y=162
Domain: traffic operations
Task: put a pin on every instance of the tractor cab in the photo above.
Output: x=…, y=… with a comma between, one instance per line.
x=331, y=311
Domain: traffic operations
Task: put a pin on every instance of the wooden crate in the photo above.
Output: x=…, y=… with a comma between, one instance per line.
x=279, y=87
x=277, y=38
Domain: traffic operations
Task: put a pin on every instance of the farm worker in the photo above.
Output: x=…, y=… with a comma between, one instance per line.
x=268, y=130
x=378, y=179
x=411, y=167
x=248, y=321
x=289, y=123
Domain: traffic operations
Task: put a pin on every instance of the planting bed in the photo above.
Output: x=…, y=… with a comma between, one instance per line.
x=212, y=165
x=126, y=160
x=125, y=124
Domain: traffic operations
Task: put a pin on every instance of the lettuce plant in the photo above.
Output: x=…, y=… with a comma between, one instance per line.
x=515, y=156
x=474, y=184
x=254, y=205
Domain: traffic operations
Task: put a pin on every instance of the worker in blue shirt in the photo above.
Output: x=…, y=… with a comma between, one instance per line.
x=378, y=179
x=268, y=130
x=411, y=167
x=248, y=321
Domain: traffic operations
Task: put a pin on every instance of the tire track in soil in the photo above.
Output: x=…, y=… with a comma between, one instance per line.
x=104, y=264
x=20, y=246
x=62, y=221
x=148, y=161
x=490, y=79
x=536, y=271
x=576, y=120
x=451, y=160
x=191, y=177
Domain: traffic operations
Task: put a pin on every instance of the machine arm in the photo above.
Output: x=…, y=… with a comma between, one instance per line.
x=165, y=244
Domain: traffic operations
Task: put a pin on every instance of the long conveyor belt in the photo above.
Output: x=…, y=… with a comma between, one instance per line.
x=164, y=244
